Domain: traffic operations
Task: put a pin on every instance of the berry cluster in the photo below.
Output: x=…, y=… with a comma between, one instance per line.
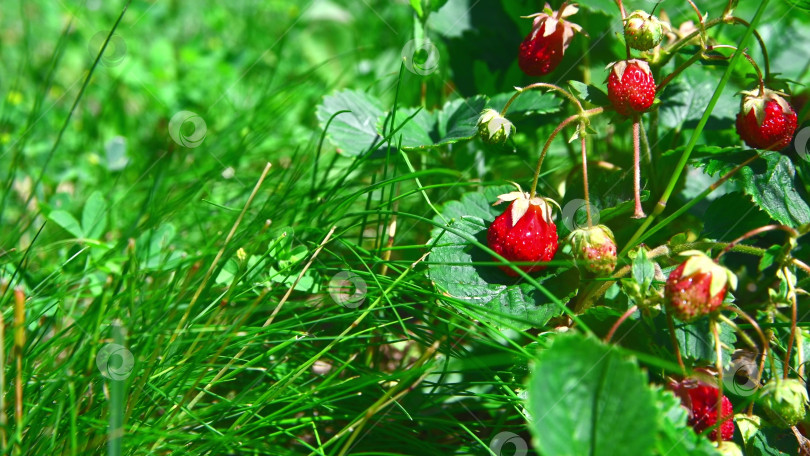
x=525, y=233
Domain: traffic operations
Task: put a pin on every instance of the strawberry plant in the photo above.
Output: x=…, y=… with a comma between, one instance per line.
x=423, y=227
x=686, y=252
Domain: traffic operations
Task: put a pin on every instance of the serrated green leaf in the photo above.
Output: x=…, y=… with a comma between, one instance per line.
x=773, y=189
x=453, y=267
x=579, y=390
x=721, y=163
x=771, y=441
x=697, y=343
x=94, y=216
x=456, y=121
x=769, y=182
x=66, y=221
x=353, y=132
x=590, y=93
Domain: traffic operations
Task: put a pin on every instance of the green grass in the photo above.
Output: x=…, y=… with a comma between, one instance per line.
x=229, y=356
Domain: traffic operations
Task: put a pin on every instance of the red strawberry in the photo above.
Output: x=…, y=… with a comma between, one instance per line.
x=525, y=232
x=543, y=48
x=700, y=398
x=702, y=407
x=766, y=120
x=631, y=87
x=697, y=287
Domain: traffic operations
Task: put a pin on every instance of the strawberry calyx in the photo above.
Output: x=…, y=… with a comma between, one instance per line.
x=619, y=67
x=756, y=100
x=546, y=23
x=493, y=127
x=700, y=263
x=521, y=201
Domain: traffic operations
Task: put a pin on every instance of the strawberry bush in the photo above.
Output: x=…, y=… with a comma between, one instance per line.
x=422, y=227
x=634, y=212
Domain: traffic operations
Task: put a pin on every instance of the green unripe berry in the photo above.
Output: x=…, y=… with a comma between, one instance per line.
x=643, y=31
x=785, y=401
x=494, y=128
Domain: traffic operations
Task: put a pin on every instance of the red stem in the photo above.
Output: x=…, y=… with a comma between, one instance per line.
x=639, y=212
x=585, y=176
x=619, y=322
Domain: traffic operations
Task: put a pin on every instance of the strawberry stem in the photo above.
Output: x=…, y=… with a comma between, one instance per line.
x=585, y=175
x=750, y=60
x=670, y=51
x=743, y=22
x=538, y=85
x=675, y=344
x=793, y=234
x=678, y=70
x=687, y=206
x=639, y=212
x=621, y=8
x=618, y=323
x=793, y=317
x=556, y=131
x=762, y=338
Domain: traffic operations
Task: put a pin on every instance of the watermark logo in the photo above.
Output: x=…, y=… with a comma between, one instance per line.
x=420, y=58
x=740, y=377
x=348, y=289
x=504, y=440
x=115, y=361
x=800, y=142
x=187, y=129
x=114, y=53
x=574, y=214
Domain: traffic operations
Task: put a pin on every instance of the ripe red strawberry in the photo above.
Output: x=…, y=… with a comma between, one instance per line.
x=524, y=232
x=594, y=248
x=766, y=120
x=631, y=87
x=697, y=287
x=543, y=48
x=703, y=411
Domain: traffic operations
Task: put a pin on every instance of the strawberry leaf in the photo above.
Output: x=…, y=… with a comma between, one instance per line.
x=353, y=132
x=589, y=93
x=582, y=388
x=773, y=188
x=769, y=182
x=697, y=342
x=420, y=129
x=454, y=265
